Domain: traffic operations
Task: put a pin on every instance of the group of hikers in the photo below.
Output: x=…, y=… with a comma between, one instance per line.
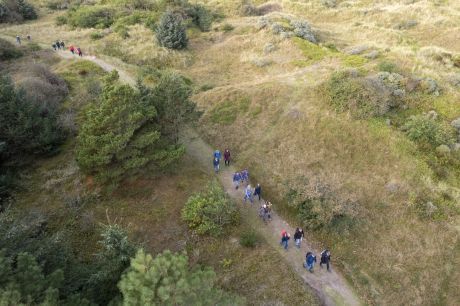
x=18, y=39
x=265, y=211
x=60, y=45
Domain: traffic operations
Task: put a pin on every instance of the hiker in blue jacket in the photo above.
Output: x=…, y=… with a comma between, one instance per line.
x=216, y=165
x=236, y=179
x=310, y=260
x=248, y=194
x=217, y=154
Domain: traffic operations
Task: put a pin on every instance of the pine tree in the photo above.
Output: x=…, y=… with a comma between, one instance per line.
x=167, y=280
x=119, y=135
x=171, y=32
x=26, y=10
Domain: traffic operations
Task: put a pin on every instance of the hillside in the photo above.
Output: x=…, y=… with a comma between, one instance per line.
x=346, y=112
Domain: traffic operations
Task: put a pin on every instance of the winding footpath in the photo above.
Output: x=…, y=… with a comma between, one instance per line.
x=330, y=287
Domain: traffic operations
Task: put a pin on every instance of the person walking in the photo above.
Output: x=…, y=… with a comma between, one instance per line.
x=269, y=210
x=284, y=239
x=227, y=157
x=18, y=39
x=325, y=259
x=72, y=49
x=28, y=37
x=236, y=179
x=54, y=47
x=58, y=44
x=216, y=165
x=62, y=45
x=245, y=176
x=217, y=155
x=258, y=191
x=248, y=194
x=80, y=54
x=298, y=235
x=310, y=260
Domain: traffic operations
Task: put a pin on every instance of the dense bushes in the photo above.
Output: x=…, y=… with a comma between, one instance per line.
x=171, y=32
x=120, y=135
x=249, y=238
x=16, y=10
x=210, y=211
x=8, y=50
x=200, y=16
x=168, y=280
x=91, y=17
x=428, y=131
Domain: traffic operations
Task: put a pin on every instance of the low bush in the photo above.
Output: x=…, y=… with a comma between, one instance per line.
x=387, y=66
x=201, y=16
x=249, y=239
x=91, y=17
x=351, y=94
x=210, y=211
x=16, y=10
x=171, y=31
x=227, y=27
x=8, y=50
x=428, y=132
x=96, y=35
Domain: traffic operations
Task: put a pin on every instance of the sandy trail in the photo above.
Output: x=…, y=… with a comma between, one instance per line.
x=330, y=287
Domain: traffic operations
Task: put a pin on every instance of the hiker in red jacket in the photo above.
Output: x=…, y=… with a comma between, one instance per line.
x=72, y=49
x=227, y=157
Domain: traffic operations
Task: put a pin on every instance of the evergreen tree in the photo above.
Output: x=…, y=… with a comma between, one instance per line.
x=167, y=280
x=171, y=32
x=171, y=97
x=119, y=135
x=26, y=10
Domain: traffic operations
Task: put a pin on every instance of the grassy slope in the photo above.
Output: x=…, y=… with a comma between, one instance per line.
x=149, y=206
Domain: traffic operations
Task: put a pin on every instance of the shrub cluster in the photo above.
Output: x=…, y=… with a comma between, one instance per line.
x=16, y=10
x=249, y=238
x=90, y=17
x=210, y=211
x=8, y=50
x=171, y=31
x=428, y=131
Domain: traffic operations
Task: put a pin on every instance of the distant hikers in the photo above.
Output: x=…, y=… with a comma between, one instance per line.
x=257, y=191
x=216, y=165
x=245, y=176
x=310, y=260
x=227, y=157
x=325, y=258
x=217, y=155
x=284, y=239
x=28, y=37
x=72, y=49
x=54, y=47
x=236, y=179
x=248, y=194
x=79, y=52
x=298, y=236
x=58, y=44
x=269, y=210
x=62, y=45
x=18, y=39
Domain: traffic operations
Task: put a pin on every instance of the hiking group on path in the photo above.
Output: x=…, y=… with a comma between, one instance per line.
x=60, y=45
x=249, y=193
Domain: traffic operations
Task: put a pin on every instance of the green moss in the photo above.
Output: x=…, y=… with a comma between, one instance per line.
x=227, y=112
x=353, y=60
x=446, y=106
x=312, y=52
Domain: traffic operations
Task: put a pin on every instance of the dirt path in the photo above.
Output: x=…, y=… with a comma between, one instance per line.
x=330, y=287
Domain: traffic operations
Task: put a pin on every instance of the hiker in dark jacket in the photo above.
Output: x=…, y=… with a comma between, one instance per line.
x=62, y=45
x=298, y=236
x=58, y=44
x=236, y=179
x=79, y=52
x=325, y=258
x=54, y=47
x=258, y=191
x=227, y=157
x=284, y=239
x=310, y=260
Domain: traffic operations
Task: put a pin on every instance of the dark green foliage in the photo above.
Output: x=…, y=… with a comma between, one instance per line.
x=26, y=127
x=428, y=132
x=201, y=16
x=210, y=211
x=249, y=239
x=8, y=50
x=171, y=97
x=387, y=66
x=120, y=136
x=96, y=35
x=16, y=10
x=171, y=32
x=168, y=280
x=113, y=260
x=91, y=17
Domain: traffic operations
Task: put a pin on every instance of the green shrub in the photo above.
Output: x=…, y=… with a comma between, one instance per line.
x=16, y=10
x=171, y=32
x=201, y=16
x=122, y=30
x=168, y=280
x=61, y=20
x=387, y=66
x=210, y=211
x=362, y=97
x=91, y=17
x=249, y=239
x=428, y=132
x=26, y=10
x=96, y=35
x=8, y=50
x=227, y=27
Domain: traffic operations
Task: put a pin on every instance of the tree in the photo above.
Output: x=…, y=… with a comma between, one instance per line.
x=26, y=10
x=208, y=212
x=112, y=262
x=171, y=97
x=120, y=136
x=167, y=280
x=171, y=32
